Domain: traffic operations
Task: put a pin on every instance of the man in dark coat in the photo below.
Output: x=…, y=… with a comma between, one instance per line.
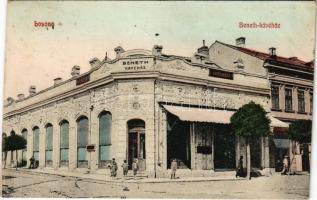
x=32, y=161
x=240, y=168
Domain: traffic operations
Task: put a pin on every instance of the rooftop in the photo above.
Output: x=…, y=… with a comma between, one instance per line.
x=294, y=61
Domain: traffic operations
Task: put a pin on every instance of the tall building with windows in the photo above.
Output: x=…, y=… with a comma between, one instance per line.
x=148, y=106
x=291, y=83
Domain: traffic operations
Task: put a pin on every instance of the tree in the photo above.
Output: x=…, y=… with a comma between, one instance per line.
x=300, y=131
x=4, y=151
x=14, y=143
x=250, y=121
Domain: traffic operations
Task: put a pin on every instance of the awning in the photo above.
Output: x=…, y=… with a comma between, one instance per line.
x=282, y=143
x=277, y=123
x=209, y=115
x=200, y=114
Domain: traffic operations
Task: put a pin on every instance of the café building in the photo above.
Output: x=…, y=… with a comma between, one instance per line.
x=144, y=105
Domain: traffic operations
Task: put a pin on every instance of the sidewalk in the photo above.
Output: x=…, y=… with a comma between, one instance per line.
x=129, y=179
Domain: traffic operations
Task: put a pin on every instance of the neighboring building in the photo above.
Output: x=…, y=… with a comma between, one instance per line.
x=146, y=105
x=291, y=82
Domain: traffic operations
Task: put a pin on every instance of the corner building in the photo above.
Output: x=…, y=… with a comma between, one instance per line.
x=142, y=105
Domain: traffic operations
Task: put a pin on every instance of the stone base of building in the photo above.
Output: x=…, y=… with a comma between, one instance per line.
x=267, y=171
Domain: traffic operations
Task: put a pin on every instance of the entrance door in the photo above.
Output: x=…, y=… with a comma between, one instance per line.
x=136, y=143
x=224, y=147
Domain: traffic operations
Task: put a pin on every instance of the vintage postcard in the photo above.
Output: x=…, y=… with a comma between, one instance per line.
x=152, y=99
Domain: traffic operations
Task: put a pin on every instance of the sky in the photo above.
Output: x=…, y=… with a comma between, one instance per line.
x=84, y=30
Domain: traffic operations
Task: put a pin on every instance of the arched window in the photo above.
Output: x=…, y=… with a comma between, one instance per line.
x=49, y=145
x=82, y=141
x=25, y=136
x=104, y=137
x=36, y=139
x=64, y=144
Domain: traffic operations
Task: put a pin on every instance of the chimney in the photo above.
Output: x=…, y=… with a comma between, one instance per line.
x=293, y=58
x=240, y=42
x=57, y=80
x=203, y=50
x=272, y=51
x=32, y=90
x=157, y=50
x=119, y=50
x=75, y=71
x=10, y=100
x=20, y=97
x=94, y=62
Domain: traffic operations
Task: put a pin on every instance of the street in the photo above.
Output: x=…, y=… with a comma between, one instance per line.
x=28, y=184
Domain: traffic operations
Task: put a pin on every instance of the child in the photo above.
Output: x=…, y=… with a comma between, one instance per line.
x=135, y=167
x=173, y=168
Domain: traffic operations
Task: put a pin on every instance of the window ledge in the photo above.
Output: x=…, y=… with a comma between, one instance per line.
x=276, y=109
x=290, y=111
x=302, y=112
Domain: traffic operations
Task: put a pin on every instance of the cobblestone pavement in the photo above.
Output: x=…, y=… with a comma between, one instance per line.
x=26, y=184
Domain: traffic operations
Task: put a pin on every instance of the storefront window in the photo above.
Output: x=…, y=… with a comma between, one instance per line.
x=288, y=100
x=104, y=136
x=64, y=144
x=49, y=143
x=36, y=138
x=301, y=101
x=82, y=140
x=275, y=97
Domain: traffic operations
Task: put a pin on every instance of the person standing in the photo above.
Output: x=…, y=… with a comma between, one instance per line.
x=135, y=167
x=285, y=165
x=125, y=168
x=32, y=160
x=173, y=168
x=240, y=168
x=113, y=168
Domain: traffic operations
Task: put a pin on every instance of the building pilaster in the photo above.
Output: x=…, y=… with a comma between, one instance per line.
x=29, y=146
x=42, y=148
x=94, y=139
x=282, y=97
x=72, y=146
x=56, y=145
x=295, y=98
x=307, y=101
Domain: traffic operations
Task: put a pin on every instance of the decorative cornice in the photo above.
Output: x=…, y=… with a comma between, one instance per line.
x=140, y=75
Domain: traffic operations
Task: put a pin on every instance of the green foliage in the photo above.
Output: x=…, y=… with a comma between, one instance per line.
x=14, y=142
x=250, y=120
x=300, y=131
